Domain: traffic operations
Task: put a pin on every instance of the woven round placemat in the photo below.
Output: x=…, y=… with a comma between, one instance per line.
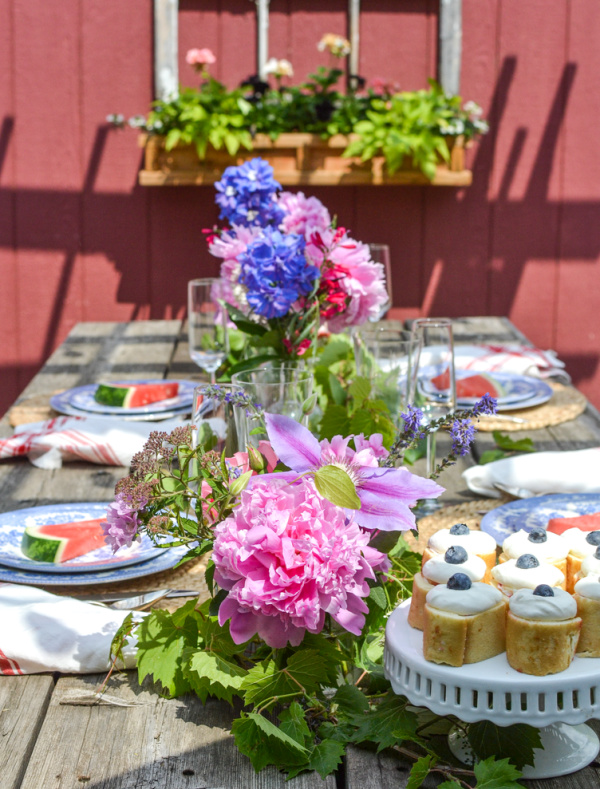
x=32, y=409
x=189, y=576
x=471, y=513
x=565, y=404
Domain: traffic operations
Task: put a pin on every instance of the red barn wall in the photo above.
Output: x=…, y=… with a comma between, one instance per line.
x=80, y=240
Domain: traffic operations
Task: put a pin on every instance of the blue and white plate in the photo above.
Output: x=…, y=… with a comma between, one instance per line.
x=69, y=410
x=12, y=526
x=535, y=512
x=82, y=398
x=520, y=391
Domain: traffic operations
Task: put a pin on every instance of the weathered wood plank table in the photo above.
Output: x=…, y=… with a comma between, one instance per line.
x=46, y=743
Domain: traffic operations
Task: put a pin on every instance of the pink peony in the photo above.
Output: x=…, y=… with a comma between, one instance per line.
x=304, y=215
x=287, y=557
x=200, y=57
x=364, y=281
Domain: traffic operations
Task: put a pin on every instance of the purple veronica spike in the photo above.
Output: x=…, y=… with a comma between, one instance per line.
x=386, y=494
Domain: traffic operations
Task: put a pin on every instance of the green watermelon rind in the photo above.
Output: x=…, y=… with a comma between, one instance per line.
x=124, y=396
x=41, y=548
x=107, y=394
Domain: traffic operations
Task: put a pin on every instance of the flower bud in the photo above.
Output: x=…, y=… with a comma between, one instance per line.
x=256, y=460
x=309, y=404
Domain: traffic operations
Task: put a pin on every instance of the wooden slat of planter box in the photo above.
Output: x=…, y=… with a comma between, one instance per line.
x=297, y=159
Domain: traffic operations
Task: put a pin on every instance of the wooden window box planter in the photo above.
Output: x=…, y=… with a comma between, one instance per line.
x=297, y=159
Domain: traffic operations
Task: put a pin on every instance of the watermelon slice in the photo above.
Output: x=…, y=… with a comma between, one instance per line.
x=135, y=395
x=583, y=522
x=472, y=386
x=59, y=542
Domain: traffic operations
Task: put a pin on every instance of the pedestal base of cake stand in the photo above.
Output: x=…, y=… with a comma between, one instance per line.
x=557, y=704
x=566, y=749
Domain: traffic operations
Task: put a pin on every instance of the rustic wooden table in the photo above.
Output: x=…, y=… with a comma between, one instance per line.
x=158, y=743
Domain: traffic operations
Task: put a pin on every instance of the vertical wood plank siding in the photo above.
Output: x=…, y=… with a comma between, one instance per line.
x=79, y=240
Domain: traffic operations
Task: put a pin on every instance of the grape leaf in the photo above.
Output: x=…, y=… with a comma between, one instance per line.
x=293, y=723
x=211, y=675
x=329, y=655
x=492, y=774
x=419, y=771
x=351, y=700
x=264, y=743
x=450, y=785
x=387, y=723
x=265, y=682
x=515, y=742
x=359, y=390
x=335, y=422
x=490, y=455
x=162, y=638
x=326, y=756
x=504, y=441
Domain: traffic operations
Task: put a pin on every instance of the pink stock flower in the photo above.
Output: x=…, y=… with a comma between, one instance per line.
x=200, y=57
x=304, y=214
x=122, y=523
x=287, y=557
x=364, y=282
x=386, y=494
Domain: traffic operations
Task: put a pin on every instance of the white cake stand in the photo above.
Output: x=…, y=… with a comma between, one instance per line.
x=557, y=704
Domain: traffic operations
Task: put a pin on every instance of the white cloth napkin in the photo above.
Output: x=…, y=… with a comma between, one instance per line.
x=105, y=441
x=538, y=473
x=40, y=631
x=510, y=359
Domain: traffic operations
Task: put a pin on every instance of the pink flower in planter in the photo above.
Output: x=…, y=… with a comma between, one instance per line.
x=287, y=557
x=200, y=57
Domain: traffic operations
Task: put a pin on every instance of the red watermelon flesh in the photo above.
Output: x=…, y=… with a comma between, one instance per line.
x=135, y=395
x=59, y=542
x=583, y=522
x=471, y=386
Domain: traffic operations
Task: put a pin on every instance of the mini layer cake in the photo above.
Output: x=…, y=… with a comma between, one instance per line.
x=464, y=622
x=526, y=572
x=581, y=545
x=437, y=571
x=589, y=566
x=476, y=543
x=545, y=546
x=587, y=598
x=542, y=630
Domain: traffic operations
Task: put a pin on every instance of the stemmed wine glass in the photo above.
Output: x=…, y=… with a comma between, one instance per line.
x=380, y=253
x=433, y=380
x=207, y=325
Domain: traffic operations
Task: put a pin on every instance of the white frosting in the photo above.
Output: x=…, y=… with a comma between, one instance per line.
x=589, y=587
x=578, y=545
x=479, y=598
x=438, y=570
x=590, y=566
x=554, y=549
x=475, y=542
x=527, y=605
x=509, y=577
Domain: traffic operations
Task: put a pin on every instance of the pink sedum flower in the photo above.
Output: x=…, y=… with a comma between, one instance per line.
x=304, y=214
x=200, y=57
x=287, y=557
x=364, y=282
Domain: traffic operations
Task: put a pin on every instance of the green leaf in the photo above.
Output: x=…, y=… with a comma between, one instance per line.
x=335, y=485
x=264, y=743
x=326, y=756
x=516, y=742
x=351, y=700
x=360, y=390
x=162, y=639
x=378, y=596
x=504, y=441
x=338, y=392
x=492, y=774
x=490, y=455
x=335, y=422
x=387, y=723
x=293, y=723
x=239, y=484
x=329, y=656
x=265, y=682
x=450, y=785
x=212, y=675
x=419, y=771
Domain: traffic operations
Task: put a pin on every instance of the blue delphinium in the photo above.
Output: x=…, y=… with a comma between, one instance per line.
x=275, y=272
x=246, y=195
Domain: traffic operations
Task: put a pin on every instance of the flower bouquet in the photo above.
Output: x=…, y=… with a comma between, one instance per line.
x=286, y=268
x=307, y=562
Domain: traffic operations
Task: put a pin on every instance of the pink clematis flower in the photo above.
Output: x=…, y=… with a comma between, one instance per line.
x=386, y=494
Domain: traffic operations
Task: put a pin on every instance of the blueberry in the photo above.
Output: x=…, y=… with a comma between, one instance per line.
x=527, y=562
x=543, y=590
x=459, y=528
x=537, y=535
x=456, y=554
x=593, y=538
x=459, y=582
x=597, y=553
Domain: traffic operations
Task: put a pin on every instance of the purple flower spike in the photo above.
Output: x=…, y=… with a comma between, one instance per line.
x=386, y=494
